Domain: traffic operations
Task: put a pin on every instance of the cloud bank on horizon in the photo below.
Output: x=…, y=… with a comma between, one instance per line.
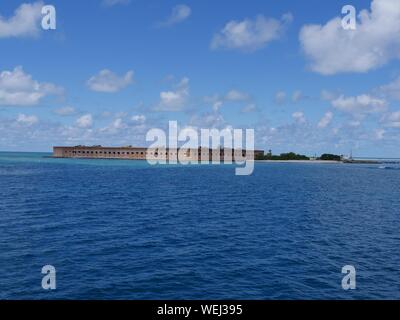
x=304, y=86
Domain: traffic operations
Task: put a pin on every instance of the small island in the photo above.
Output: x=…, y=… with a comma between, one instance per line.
x=324, y=158
x=291, y=156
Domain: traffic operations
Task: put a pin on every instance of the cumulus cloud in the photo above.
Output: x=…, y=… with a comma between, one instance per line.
x=85, y=121
x=114, y=127
x=45, y=133
x=354, y=123
x=24, y=23
x=280, y=97
x=109, y=82
x=326, y=120
x=210, y=120
x=392, y=120
x=179, y=14
x=235, y=95
x=297, y=96
x=391, y=90
x=217, y=105
x=19, y=89
x=327, y=95
x=174, y=100
x=65, y=111
x=379, y=134
x=250, y=35
x=140, y=118
x=331, y=49
x=359, y=105
x=251, y=107
x=27, y=120
x=111, y=3
x=299, y=117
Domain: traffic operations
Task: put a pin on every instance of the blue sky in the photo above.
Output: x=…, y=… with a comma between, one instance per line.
x=113, y=69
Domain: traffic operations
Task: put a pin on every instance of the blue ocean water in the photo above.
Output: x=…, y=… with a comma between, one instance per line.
x=118, y=229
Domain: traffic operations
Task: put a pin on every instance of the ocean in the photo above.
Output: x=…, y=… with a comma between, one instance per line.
x=116, y=229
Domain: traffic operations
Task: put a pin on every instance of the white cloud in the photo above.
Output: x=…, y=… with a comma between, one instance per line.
x=354, y=123
x=139, y=118
x=280, y=97
x=108, y=81
x=65, y=111
x=208, y=120
x=27, y=120
x=249, y=108
x=235, y=95
x=179, y=13
x=174, y=100
x=297, y=96
x=217, y=105
x=250, y=35
x=86, y=121
x=392, y=119
x=331, y=49
x=391, y=90
x=380, y=134
x=19, y=89
x=328, y=95
x=326, y=120
x=114, y=127
x=359, y=105
x=299, y=117
x=24, y=23
x=111, y=3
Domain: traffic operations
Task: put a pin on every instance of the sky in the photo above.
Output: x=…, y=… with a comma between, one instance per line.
x=114, y=69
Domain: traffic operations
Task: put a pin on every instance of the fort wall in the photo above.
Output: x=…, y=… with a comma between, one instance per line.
x=137, y=153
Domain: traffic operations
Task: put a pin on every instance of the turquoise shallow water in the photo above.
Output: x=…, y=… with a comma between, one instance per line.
x=119, y=229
